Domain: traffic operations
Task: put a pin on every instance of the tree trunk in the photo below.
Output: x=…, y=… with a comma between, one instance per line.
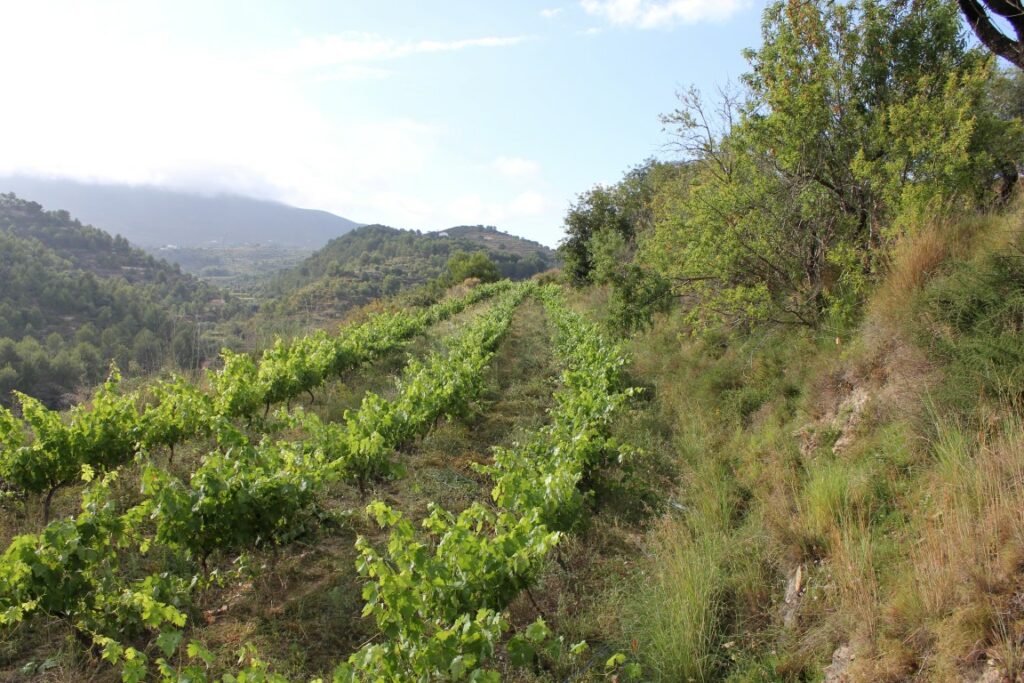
x=1010, y=176
x=1012, y=11
x=47, y=501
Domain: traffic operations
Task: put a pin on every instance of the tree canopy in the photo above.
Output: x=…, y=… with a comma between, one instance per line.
x=853, y=118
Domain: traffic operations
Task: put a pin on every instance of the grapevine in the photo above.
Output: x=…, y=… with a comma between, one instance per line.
x=437, y=593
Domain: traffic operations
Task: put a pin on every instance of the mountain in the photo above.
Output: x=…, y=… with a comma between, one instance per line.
x=74, y=298
x=377, y=260
x=152, y=217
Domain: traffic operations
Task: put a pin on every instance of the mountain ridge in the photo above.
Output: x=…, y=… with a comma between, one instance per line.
x=150, y=216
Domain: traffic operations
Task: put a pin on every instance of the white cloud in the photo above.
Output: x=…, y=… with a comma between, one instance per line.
x=351, y=72
x=529, y=204
x=515, y=167
x=472, y=209
x=184, y=117
x=345, y=49
x=662, y=13
x=551, y=12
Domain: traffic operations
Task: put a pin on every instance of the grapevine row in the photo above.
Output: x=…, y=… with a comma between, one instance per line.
x=287, y=370
x=257, y=493
x=244, y=495
x=438, y=597
x=439, y=601
x=110, y=432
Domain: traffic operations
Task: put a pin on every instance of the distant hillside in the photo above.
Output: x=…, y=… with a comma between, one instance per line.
x=74, y=297
x=491, y=239
x=377, y=260
x=151, y=217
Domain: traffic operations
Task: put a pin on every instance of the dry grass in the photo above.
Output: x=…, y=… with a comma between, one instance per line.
x=960, y=596
x=914, y=260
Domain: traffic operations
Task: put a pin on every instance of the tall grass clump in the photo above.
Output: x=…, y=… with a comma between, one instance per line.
x=971, y=317
x=956, y=600
x=675, y=616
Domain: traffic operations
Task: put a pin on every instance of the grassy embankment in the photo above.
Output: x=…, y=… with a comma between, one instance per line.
x=856, y=497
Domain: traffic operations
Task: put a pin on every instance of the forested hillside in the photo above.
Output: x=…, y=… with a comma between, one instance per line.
x=74, y=298
x=375, y=261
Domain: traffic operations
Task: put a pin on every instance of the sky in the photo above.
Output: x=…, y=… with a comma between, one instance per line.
x=413, y=113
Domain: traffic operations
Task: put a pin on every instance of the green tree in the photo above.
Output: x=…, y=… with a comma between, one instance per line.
x=8, y=382
x=463, y=265
x=593, y=212
x=604, y=229
x=1006, y=102
x=147, y=350
x=623, y=209
x=855, y=114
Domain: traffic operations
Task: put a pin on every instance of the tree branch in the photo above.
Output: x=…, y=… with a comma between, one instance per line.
x=978, y=18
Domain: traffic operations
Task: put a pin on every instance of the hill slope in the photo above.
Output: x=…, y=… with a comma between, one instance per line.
x=489, y=238
x=74, y=297
x=377, y=260
x=150, y=216
x=846, y=507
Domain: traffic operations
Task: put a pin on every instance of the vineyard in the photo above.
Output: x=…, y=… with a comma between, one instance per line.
x=190, y=491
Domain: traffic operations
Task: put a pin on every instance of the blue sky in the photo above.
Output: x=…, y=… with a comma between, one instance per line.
x=412, y=113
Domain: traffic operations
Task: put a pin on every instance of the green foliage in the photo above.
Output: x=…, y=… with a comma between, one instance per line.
x=290, y=369
x=101, y=437
x=437, y=600
x=462, y=266
x=73, y=571
x=856, y=115
x=180, y=412
x=593, y=213
x=242, y=497
x=107, y=434
x=453, y=652
x=604, y=229
x=477, y=559
x=1006, y=94
x=375, y=261
x=970, y=319
x=546, y=473
x=621, y=211
x=442, y=385
x=235, y=390
x=248, y=496
x=437, y=597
